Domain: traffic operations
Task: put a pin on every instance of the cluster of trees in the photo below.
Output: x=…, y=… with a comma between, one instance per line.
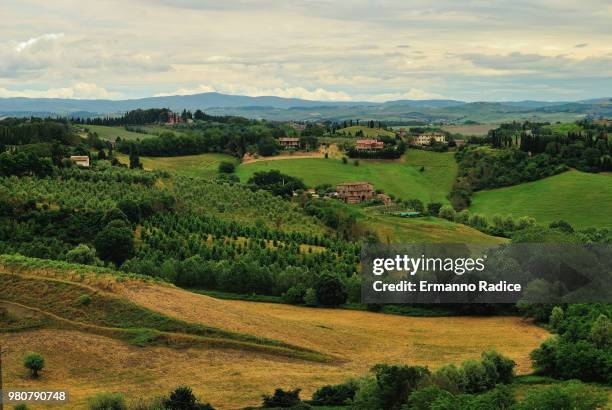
x=483, y=384
x=582, y=346
x=484, y=168
x=584, y=146
x=23, y=131
x=233, y=137
x=276, y=182
x=181, y=398
x=201, y=251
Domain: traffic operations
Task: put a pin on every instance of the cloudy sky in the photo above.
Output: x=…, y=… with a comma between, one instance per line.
x=313, y=49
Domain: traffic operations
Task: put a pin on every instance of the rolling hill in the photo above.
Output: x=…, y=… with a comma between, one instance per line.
x=231, y=372
x=580, y=198
x=278, y=108
x=402, y=178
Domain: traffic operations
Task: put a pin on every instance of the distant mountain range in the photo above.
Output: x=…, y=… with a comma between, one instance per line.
x=278, y=108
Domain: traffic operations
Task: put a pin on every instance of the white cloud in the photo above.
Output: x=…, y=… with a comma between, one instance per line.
x=325, y=50
x=32, y=41
x=78, y=90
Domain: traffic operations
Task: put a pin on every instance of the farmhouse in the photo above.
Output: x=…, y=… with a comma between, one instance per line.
x=401, y=133
x=425, y=139
x=355, y=192
x=369, y=145
x=289, y=142
x=80, y=160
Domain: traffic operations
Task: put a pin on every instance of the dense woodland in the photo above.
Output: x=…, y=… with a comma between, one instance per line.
x=523, y=152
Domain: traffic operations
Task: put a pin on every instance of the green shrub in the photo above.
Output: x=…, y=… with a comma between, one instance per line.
x=424, y=398
x=84, y=300
x=226, y=167
x=330, y=291
x=282, y=398
x=107, y=401
x=34, y=362
x=450, y=378
x=572, y=395
x=447, y=212
x=338, y=394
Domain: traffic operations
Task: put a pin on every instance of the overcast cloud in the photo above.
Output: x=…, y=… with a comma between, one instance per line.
x=313, y=49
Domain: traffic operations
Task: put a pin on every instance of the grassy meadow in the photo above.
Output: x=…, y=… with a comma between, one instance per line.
x=202, y=165
x=402, y=178
x=393, y=229
x=580, y=198
x=111, y=133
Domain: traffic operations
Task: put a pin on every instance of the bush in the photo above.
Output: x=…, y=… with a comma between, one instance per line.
x=477, y=378
x=424, y=398
x=450, y=378
x=282, y=398
x=130, y=209
x=83, y=255
x=34, y=362
x=562, y=226
x=330, y=291
x=107, y=401
x=226, y=167
x=447, y=212
x=310, y=297
x=433, y=208
x=571, y=395
x=556, y=318
x=504, y=367
x=338, y=394
x=115, y=243
x=182, y=398
x=84, y=300
x=395, y=383
x=295, y=295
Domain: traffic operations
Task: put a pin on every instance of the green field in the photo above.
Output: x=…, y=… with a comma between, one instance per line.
x=579, y=198
x=393, y=229
x=367, y=132
x=402, y=178
x=111, y=133
x=202, y=165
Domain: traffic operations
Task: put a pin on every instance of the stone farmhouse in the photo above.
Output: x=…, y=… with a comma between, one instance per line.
x=425, y=139
x=80, y=160
x=355, y=192
x=289, y=142
x=369, y=145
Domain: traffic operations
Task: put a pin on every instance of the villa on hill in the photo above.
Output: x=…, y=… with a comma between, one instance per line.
x=289, y=142
x=427, y=138
x=369, y=145
x=355, y=192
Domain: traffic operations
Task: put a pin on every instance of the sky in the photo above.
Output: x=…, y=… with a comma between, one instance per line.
x=344, y=50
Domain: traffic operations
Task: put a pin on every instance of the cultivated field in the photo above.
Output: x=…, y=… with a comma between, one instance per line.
x=402, y=178
x=580, y=198
x=478, y=130
x=111, y=133
x=85, y=362
x=202, y=165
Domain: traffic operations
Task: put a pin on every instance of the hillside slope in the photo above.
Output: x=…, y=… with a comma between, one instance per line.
x=580, y=198
x=86, y=363
x=402, y=178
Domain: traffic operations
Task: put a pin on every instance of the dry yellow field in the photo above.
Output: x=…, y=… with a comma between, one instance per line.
x=86, y=364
